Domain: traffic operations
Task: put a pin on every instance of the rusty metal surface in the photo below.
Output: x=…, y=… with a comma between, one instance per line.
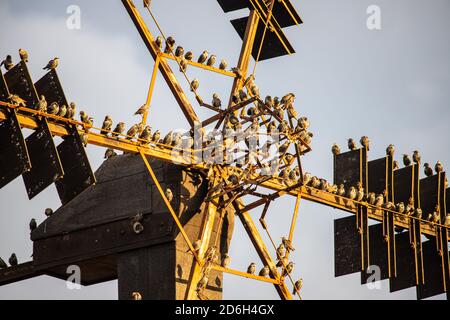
x=14, y=158
x=347, y=247
x=78, y=175
x=19, y=82
x=50, y=86
x=46, y=166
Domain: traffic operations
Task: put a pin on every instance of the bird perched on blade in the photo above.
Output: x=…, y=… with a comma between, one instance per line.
x=169, y=194
x=109, y=153
x=438, y=167
x=159, y=42
x=131, y=133
x=203, y=57
x=288, y=98
x=416, y=156
x=7, y=63
x=264, y=272
x=146, y=134
x=211, y=61
x=371, y=198
x=84, y=117
x=287, y=244
x=3, y=264
x=106, y=126
x=237, y=72
x=194, y=85
x=42, y=104
x=341, y=190
x=418, y=213
x=351, y=144
x=118, y=130
x=335, y=149
x=406, y=160
x=395, y=165
x=13, y=260
x=52, y=64
x=143, y=109
x=427, y=169
x=410, y=206
x=251, y=268
x=379, y=200
x=48, y=212
x=400, y=207
x=281, y=251
x=216, y=102
x=156, y=136
x=223, y=64
x=352, y=193
x=23, y=55
x=365, y=142
x=360, y=192
x=16, y=100
x=71, y=110
x=288, y=269
x=303, y=122
x=226, y=260
x=390, y=150
x=298, y=286
x=189, y=56
x=53, y=108
x=62, y=111
x=179, y=52
x=170, y=42
x=33, y=225
x=183, y=65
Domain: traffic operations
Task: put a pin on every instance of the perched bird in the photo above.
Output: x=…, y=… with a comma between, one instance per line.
x=168, y=138
x=194, y=85
x=379, y=200
x=169, y=195
x=109, y=153
x=360, y=192
x=143, y=109
x=177, y=140
x=203, y=57
x=53, y=108
x=416, y=156
x=223, y=64
x=48, y=212
x=62, y=111
x=147, y=3
x=106, y=126
x=226, y=260
x=390, y=150
x=7, y=63
x=418, y=213
x=183, y=65
x=159, y=42
x=42, y=104
x=438, y=167
x=447, y=220
x=287, y=244
x=196, y=245
x=282, y=262
x=84, y=117
x=216, y=102
x=251, y=268
x=156, y=136
x=146, y=134
x=211, y=61
x=335, y=149
x=303, y=122
x=400, y=207
x=237, y=72
x=84, y=139
x=131, y=133
x=352, y=193
x=288, y=98
x=323, y=184
x=288, y=269
x=23, y=55
x=201, y=285
x=16, y=100
x=351, y=144
x=406, y=160
x=33, y=225
x=3, y=264
x=179, y=52
x=298, y=286
x=13, y=260
x=52, y=64
x=341, y=190
x=395, y=165
x=118, y=130
x=315, y=182
x=410, y=206
x=71, y=110
x=264, y=272
x=170, y=42
x=281, y=251
x=189, y=56
x=371, y=198
x=428, y=170
x=365, y=142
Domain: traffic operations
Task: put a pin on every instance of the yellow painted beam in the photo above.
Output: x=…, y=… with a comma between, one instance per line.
x=245, y=275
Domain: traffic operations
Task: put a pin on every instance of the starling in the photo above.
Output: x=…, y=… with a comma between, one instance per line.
x=352, y=193
x=254, y=90
x=146, y=134
x=106, y=126
x=159, y=42
x=189, y=56
x=147, y=5
x=428, y=170
x=251, y=268
x=118, y=130
x=288, y=269
x=418, y=213
x=315, y=182
x=169, y=195
x=288, y=98
x=303, y=123
x=287, y=244
x=156, y=136
x=416, y=156
x=202, y=283
x=371, y=198
x=13, y=260
x=143, y=109
x=23, y=55
x=203, y=57
x=390, y=150
x=226, y=260
x=264, y=272
x=52, y=64
x=8, y=63
x=298, y=286
x=406, y=160
x=42, y=104
x=360, y=192
x=379, y=200
x=335, y=149
x=16, y=100
x=71, y=110
x=447, y=220
x=168, y=139
x=109, y=153
x=211, y=61
x=33, y=225
x=223, y=64
x=3, y=264
x=341, y=190
x=62, y=111
x=170, y=42
x=400, y=207
x=48, y=212
x=53, y=108
x=438, y=167
x=84, y=117
x=216, y=102
x=365, y=142
x=395, y=165
x=131, y=133
x=84, y=139
x=281, y=251
x=351, y=144
x=183, y=65
x=179, y=52
x=237, y=72
x=194, y=85
x=136, y=295
x=282, y=262
x=410, y=206
x=323, y=184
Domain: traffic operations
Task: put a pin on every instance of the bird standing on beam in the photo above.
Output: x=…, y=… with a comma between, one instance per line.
x=52, y=64
x=23, y=55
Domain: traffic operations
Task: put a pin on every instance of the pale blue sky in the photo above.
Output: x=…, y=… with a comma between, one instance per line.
x=392, y=85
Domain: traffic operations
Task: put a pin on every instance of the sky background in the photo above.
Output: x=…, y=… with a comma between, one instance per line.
x=392, y=85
